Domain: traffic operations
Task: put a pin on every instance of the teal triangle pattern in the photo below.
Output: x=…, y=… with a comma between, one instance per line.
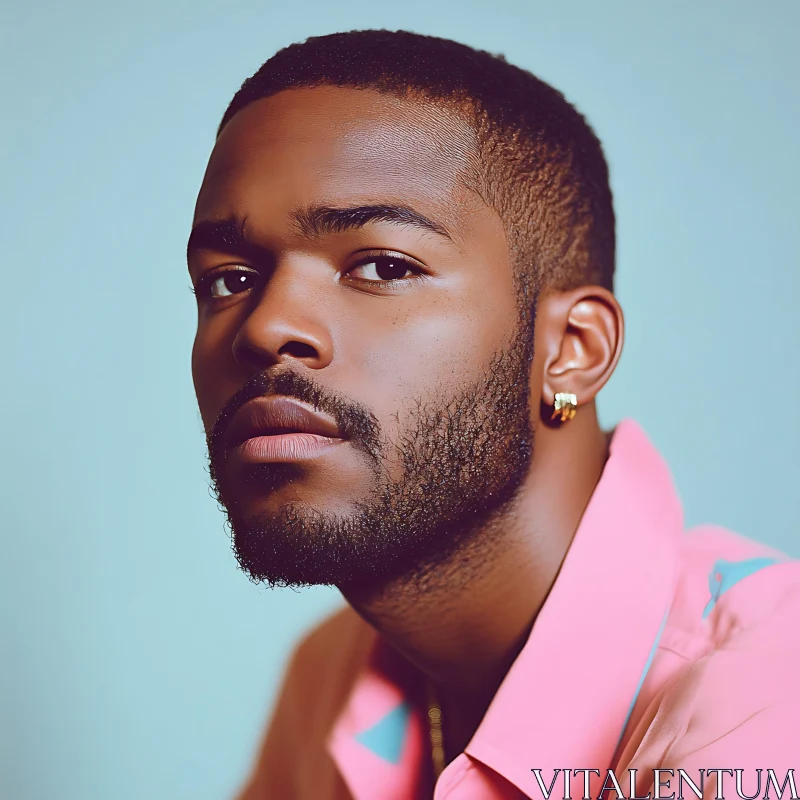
x=725, y=574
x=387, y=736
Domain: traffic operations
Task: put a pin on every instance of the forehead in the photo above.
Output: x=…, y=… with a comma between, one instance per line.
x=334, y=145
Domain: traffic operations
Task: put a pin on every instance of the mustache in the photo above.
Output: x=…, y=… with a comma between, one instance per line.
x=356, y=422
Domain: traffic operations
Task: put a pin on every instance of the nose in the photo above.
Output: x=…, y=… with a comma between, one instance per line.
x=286, y=324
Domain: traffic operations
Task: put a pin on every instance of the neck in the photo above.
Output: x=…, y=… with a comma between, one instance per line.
x=464, y=624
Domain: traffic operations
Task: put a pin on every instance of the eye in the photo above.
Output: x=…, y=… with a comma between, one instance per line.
x=377, y=269
x=224, y=284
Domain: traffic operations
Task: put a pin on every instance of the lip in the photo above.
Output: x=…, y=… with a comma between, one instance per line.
x=283, y=447
x=280, y=429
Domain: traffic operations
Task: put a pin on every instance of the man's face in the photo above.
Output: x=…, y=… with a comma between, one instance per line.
x=359, y=363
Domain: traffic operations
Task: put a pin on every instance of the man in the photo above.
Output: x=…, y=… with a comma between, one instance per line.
x=403, y=257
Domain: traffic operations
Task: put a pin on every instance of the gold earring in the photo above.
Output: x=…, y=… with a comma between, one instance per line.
x=565, y=406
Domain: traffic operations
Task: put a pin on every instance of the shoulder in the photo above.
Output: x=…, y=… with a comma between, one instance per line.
x=736, y=699
x=292, y=760
x=334, y=636
x=327, y=659
x=726, y=581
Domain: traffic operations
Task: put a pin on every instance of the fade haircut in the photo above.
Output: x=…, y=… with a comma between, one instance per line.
x=541, y=169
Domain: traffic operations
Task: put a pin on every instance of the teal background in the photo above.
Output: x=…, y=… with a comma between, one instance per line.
x=137, y=662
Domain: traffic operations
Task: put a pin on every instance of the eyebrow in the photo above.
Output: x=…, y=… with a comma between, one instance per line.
x=317, y=221
x=224, y=235
x=229, y=235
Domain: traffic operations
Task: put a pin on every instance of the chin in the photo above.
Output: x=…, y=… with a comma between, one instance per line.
x=271, y=499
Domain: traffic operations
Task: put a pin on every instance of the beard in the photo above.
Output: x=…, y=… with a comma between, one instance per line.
x=457, y=465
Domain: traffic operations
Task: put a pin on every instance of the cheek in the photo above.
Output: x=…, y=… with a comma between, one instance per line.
x=428, y=358
x=203, y=387
x=214, y=382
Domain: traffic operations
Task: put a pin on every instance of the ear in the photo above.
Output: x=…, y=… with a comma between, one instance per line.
x=579, y=335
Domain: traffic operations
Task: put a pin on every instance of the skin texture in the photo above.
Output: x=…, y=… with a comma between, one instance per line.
x=386, y=350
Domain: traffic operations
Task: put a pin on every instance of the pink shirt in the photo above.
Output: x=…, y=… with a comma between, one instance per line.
x=656, y=648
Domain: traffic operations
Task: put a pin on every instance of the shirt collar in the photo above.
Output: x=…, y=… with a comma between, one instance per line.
x=566, y=699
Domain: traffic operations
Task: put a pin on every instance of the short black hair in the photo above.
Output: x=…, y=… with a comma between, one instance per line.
x=543, y=168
